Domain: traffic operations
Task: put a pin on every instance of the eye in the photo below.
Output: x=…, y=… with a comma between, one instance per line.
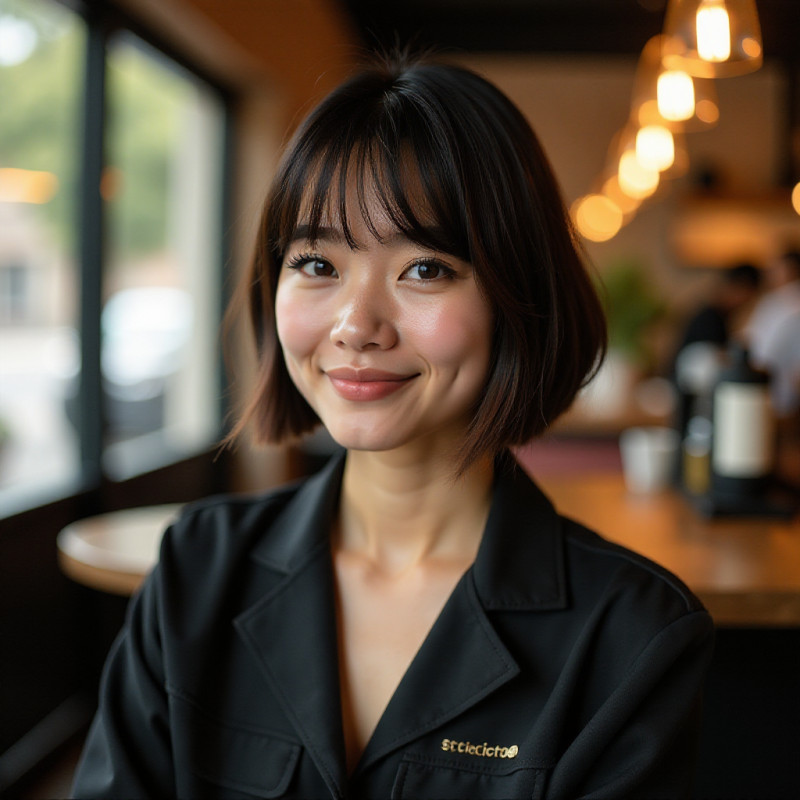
x=313, y=266
x=428, y=270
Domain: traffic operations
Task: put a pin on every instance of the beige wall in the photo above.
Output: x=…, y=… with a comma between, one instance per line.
x=576, y=105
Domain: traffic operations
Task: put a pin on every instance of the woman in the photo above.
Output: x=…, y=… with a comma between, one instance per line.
x=416, y=620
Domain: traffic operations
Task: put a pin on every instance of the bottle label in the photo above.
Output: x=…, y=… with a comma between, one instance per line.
x=744, y=438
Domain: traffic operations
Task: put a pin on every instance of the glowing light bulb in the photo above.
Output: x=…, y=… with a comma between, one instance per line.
x=655, y=147
x=675, y=94
x=636, y=180
x=707, y=111
x=713, y=31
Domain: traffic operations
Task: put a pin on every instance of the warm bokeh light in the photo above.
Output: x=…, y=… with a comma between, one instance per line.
x=713, y=31
x=707, y=111
x=655, y=147
x=27, y=186
x=111, y=183
x=636, y=180
x=675, y=93
x=596, y=217
x=613, y=191
x=751, y=47
x=796, y=198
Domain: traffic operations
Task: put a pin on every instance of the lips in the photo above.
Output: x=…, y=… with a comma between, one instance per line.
x=364, y=385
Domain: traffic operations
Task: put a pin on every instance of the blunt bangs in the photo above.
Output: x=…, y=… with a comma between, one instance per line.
x=382, y=149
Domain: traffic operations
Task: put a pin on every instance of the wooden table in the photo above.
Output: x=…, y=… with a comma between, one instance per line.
x=113, y=552
x=746, y=571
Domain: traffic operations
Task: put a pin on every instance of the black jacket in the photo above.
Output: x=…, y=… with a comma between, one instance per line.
x=562, y=666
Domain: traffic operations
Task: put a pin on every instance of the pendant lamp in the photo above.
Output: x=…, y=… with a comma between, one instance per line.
x=671, y=97
x=712, y=38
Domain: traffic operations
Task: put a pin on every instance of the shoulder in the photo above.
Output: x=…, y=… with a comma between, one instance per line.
x=627, y=599
x=591, y=555
x=602, y=577
x=533, y=557
x=225, y=523
x=277, y=530
x=628, y=611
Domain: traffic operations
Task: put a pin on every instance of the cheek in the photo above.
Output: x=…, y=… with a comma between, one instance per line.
x=297, y=332
x=457, y=335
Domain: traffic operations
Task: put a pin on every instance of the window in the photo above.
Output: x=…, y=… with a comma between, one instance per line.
x=112, y=207
x=109, y=311
x=160, y=315
x=41, y=46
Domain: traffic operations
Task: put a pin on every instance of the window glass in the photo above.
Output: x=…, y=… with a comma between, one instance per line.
x=41, y=63
x=160, y=317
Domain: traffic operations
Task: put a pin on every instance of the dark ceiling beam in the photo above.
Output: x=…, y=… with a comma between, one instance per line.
x=488, y=27
x=545, y=26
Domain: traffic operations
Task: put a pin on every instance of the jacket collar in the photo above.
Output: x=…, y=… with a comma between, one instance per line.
x=519, y=567
x=520, y=562
x=305, y=523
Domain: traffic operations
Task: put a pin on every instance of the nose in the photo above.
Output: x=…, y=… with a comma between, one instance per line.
x=364, y=320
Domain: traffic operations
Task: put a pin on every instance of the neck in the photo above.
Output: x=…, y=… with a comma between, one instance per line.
x=400, y=512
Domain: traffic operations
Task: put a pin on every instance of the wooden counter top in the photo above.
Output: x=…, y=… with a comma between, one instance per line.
x=746, y=571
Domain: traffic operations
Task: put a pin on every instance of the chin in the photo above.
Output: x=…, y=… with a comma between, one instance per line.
x=365, y=440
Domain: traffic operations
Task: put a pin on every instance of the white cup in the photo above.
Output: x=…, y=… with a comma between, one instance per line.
x=648, y=458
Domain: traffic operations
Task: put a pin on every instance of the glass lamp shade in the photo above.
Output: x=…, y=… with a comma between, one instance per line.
x=671, y=97
x=712, y=38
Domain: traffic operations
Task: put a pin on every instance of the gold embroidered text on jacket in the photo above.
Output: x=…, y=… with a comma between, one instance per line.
x=482, y=750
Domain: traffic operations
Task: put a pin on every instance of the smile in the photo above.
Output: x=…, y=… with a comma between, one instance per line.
x=366, y=385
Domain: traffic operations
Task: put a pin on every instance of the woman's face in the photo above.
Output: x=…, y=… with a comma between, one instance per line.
x=389, y=343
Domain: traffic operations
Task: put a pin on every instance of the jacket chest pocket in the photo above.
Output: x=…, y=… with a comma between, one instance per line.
x=215, y=759
x=425, y=778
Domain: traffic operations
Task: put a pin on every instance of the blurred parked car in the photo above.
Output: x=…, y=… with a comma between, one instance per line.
x=146, y=332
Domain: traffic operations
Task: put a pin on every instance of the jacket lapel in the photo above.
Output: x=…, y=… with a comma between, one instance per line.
x=461, y=661
x=292, y=630
x=519, y=568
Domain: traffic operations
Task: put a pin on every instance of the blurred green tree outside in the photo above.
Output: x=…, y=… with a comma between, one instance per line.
x=40, y=125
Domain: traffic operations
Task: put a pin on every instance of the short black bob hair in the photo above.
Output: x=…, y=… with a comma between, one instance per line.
x=456, y=168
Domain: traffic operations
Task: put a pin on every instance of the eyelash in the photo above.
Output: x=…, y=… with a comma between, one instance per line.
x=298, y=261
x=447, y=273
x=301, y=259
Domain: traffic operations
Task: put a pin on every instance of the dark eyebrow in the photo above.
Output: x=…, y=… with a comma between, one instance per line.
x=303, y=233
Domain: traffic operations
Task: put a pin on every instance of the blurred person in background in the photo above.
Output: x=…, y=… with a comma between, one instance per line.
x=734, y=293
x=773, y=333
x=701, y=353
